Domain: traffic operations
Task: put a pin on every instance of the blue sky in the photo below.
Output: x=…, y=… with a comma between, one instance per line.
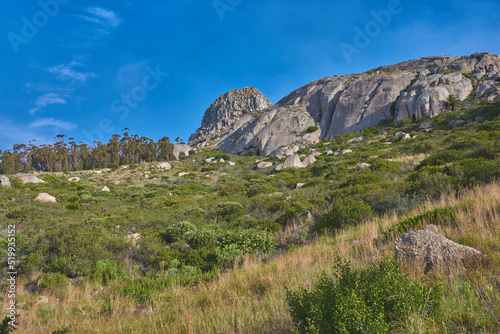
x=88, y=69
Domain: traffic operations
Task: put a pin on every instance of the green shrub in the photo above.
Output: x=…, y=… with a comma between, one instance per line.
x=201, y=238
x=16, y=214
x=348, y=211
x=195, y=212
x=73, y=199
x=378, y=299
x=452, y=102
x=53, y=282
x=176, y=232
x=295, y=211
x=73, y=206
x=229, y=210
x=253, y=241
x=448, y=70
x=429, y=182
x=86, y=198
x=436, y=216
x=384, y=165
x=256, y=187
x=105, y=271
x=312, y=129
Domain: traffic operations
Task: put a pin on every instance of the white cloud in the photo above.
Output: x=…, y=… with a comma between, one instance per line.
x=68, y=72
x=45, y=100
x=51, y=122
x=103, y=16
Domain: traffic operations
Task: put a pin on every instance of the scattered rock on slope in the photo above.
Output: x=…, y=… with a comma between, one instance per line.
x=432, y=253
x=4, y=181
x=264, y=164
x=164, y=165
x=310, y=159
x=44, y=197
x=29, y=178
x=293, y=161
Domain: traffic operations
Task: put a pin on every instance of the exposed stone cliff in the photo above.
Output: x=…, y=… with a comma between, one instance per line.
x=227, y=110
x=342, y=104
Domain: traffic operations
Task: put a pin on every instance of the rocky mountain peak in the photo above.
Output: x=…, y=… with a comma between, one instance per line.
x=227, y=110
x=341, y=104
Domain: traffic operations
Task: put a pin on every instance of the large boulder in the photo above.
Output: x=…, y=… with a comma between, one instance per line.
x=29, y=178
x=264, y=164
x=4, y=181
x=293, y=161
x=46, y=198
x=178, y=148
x=432, y=253
x=164, y=165
x=310, y=159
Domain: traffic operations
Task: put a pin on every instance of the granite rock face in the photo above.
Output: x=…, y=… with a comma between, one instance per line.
x=243, y=121
x=229, y=112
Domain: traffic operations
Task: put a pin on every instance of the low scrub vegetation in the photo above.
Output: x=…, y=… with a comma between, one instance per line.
x=225, y=247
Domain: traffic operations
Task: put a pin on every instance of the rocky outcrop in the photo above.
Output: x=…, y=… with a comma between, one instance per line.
x=46, y=198
x=29, y=178
x=432, y=253
x=181, y=148
x=273, y=129
x=341, y=104
x=228, y=113
x=4, y=181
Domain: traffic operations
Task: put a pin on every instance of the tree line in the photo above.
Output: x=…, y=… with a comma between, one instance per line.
x=69, y=156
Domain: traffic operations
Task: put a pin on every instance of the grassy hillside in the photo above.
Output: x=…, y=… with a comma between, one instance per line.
x=218, y=244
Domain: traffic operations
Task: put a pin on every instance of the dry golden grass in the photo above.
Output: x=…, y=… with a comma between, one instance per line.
x=251, y=299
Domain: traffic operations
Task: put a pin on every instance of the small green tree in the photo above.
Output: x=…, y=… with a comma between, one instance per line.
x=452, y=102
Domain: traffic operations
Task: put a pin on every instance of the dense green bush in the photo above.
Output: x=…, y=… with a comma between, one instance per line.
x=201, y=238
x=195, y=212
x=229, y=210
x=253, y=241
x=53, y=282
x=384, y=165
x=295, y=211
x=376, y=300
x=345, y=212
x=176, y=232
x=73, y=206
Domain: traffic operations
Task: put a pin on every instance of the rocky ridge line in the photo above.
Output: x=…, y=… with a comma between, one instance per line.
x=341, y=104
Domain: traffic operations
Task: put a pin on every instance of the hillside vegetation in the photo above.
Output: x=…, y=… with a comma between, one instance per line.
x=224, y=247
